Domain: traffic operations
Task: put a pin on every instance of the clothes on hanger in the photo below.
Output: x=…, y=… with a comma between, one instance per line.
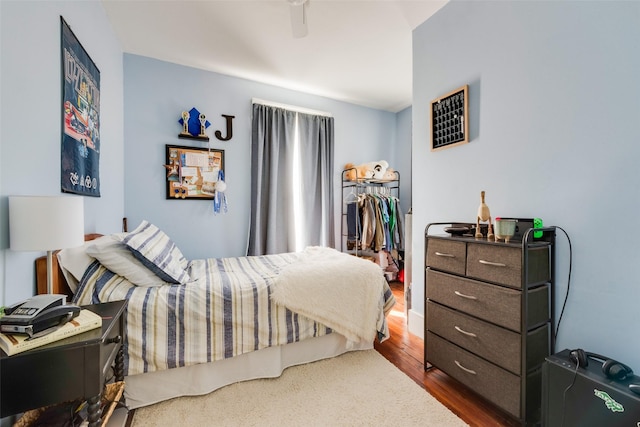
x=353, y=233
x=375, y=222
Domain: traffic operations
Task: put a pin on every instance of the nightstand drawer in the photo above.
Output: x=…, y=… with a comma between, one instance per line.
x=496, y=384
x=110, y=346
x=498, y=345
x=447, y=255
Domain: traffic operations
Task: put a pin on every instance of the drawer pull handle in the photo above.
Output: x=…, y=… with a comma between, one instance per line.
x=460, y=294
x=445, y=255
x=495, y=264
x=462, y=331
x=465, y=369
x=115, y=339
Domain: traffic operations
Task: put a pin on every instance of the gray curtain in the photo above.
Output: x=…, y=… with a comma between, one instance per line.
x=276, y=212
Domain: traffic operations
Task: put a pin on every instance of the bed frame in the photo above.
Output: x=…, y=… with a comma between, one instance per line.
x=60, y=285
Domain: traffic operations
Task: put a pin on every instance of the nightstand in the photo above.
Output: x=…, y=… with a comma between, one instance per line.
x=68, y=369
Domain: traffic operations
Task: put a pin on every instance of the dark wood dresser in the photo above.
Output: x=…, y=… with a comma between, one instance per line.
x=489, y=316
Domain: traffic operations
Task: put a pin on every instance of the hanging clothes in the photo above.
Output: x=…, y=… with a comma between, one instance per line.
x=398, y=229
x=381, y=219
x=368, y=221
x=353, y=225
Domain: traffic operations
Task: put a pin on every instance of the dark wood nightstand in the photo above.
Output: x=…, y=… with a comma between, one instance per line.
x=76, y=367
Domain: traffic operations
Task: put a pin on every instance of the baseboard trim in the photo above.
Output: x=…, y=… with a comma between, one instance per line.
x=416, y=323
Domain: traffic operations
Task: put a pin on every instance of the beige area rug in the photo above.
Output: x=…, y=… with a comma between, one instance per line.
x=359, y=388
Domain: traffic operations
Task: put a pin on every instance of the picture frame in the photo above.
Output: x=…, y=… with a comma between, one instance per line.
x=192, y=172
x=449, y=120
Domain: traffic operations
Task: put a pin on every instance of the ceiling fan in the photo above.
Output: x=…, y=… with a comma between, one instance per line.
x=298, y=18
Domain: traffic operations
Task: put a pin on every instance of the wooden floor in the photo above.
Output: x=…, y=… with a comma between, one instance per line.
x=406, y=352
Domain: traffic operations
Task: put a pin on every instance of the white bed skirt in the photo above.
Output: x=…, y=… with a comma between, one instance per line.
x=147, y=389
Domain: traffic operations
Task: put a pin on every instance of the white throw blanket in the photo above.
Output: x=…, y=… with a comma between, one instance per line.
x=338, y=290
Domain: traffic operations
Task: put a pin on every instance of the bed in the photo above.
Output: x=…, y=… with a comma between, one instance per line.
x=195, y=326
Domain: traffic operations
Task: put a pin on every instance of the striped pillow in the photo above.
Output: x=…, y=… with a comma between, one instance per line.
x=118, y=258
x=158, y=253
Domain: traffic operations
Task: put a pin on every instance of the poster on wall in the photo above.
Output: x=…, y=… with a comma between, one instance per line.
x=80, y=152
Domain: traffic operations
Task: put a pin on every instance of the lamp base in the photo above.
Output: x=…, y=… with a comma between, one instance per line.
x=49, y=272
x=60, y=285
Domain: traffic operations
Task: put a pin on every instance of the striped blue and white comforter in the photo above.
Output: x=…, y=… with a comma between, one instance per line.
x=225, y=312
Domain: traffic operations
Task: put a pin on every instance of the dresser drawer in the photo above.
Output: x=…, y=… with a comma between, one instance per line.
x=497, y=264
x=490, y=381
x=447, y=255
x=503, y=264
x=498, y=345
x=492, y=303
x=495, y=304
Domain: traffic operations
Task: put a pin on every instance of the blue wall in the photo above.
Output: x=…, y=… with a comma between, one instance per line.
x=554, y=106
x=141, y=100
x=155, y=94
x=30, y=114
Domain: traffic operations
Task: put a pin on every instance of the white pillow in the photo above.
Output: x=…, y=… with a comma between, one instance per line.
x=73, y=262
x=158, y=253
x=115, y=256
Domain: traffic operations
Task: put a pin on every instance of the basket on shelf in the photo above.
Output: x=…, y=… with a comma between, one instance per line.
x=110, y=398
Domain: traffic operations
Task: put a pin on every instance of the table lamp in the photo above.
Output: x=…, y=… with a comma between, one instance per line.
x=46, y=223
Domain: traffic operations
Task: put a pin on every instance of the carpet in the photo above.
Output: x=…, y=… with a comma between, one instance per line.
x=359, y=388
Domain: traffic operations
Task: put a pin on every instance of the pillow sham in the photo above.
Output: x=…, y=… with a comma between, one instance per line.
x=73, y=262
x=115, y=256
x=158, y=253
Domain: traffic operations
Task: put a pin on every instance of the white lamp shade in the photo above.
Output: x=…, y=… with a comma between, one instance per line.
x=45, y=223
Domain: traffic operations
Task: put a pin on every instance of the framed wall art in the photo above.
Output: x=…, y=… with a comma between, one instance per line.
x=80, y=106
x=450, y=119
x=192, y=173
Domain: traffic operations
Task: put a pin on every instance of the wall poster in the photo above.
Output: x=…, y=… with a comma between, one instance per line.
x=193, y=173
x=80, y=152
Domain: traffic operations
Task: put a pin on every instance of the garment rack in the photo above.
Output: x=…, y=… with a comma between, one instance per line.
x=358, y=187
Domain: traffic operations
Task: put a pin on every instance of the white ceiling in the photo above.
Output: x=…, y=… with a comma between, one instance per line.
x=356, y=51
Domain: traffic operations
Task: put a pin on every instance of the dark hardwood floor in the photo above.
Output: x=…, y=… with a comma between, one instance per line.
x=406, y=352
